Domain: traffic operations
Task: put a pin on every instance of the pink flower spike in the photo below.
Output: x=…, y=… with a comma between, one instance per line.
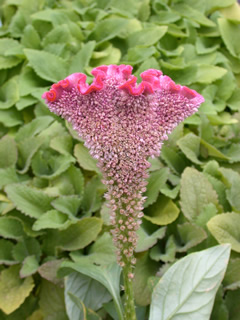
x=123, y=124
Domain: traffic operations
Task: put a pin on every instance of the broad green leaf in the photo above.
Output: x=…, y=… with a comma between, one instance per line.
x=29, y=267
x=231, y=280
x=190, y=235
x=59, y=34
x=191, y=284
x=190, y=145
x=81, y=60
x=162, y=212
x=25, y=102
x=80, y=234
x=92, y=198
x=109, y=276
x=225, y=228
x=107, y=29
x=10, y=117
x=9, y=94
x=233, y=195
x=146, y=240
x=6, y=256
x=33, y=128
x=29, y=81
x=8, y=152
x=62, y=144
x=30, y=38
x=196, y=192
x=230, y=35
x=215, y=4
x=146, y=37
x=50, y=165
x=84, y=158
x=67, y=204
x=56, y=309
x=101, y=252
x=144, y=269
x=48, y=271
x=52, y=219
x=208, y=74
x=139, y=54
x=156, y=181
x=46, y=65
x=13, y=290
x=27, y=149
x=11, y=228
x=174, y=160
x=28, y=200
x=92, y=293
x=8, y=62
x=234, y=101
x=168, y=255
x=233, y=153
x=232, y=299
x=26, y=247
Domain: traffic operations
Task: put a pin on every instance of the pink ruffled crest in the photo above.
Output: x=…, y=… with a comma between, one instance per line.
x=152, y=80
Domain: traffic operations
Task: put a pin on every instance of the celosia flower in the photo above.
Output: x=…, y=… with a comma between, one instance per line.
x=123, y=124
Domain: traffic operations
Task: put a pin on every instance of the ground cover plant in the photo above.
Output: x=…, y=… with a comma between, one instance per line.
x=54, y=222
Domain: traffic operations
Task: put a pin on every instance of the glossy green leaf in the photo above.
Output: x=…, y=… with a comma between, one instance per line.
x=225, y=228
x=190, y=293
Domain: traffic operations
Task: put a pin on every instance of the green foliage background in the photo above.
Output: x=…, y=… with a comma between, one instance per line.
x=51, y=198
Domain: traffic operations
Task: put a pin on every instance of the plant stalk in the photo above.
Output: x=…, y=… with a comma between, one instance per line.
x=129, y=306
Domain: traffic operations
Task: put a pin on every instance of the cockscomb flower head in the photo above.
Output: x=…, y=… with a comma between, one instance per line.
x=123, y=123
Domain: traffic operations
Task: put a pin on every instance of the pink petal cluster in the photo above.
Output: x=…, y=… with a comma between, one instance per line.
x=123, y=123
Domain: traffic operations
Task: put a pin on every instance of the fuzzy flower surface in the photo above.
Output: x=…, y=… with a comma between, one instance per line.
x=123, y=123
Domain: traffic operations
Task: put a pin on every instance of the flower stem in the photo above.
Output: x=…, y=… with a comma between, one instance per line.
x=129, y=310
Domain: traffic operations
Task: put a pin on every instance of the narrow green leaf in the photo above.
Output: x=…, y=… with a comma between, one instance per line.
x=192, y=284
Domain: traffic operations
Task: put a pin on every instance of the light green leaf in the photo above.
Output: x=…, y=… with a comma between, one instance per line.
x=62, y=144
x=13, y=290
x=156, y=181
x=190, y=145
x=168, y=255
x=234, y=101
x=8, y=62
x=28, y=200
x=208, y=73
x=67, y=204
x=25, y=102
x=144, y=269
x=84, y=158
x=6, y=256
x=196, y=192
x=9, y=94
x=233, y=153
x=139, y=54
x=92, y=198
x=174, y=160
x=146, y=240
x=233, y=195
x=59, y=34
x=109, y=276
x=8, y=152
x=190, y=235
x=225, y=228
x=80, y=234
x=92, y=293
x=192, y=284
x=29, y=267
x=107, y=29
x=230, y=35
x=30, y=38
x=46, y=65
x=11, y=228
x=81, y=60
x=52, y=219
x=162, y=212
x=10, y=117
x=146, y=37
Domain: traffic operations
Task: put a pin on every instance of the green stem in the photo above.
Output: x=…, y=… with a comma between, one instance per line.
x=129, y=307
